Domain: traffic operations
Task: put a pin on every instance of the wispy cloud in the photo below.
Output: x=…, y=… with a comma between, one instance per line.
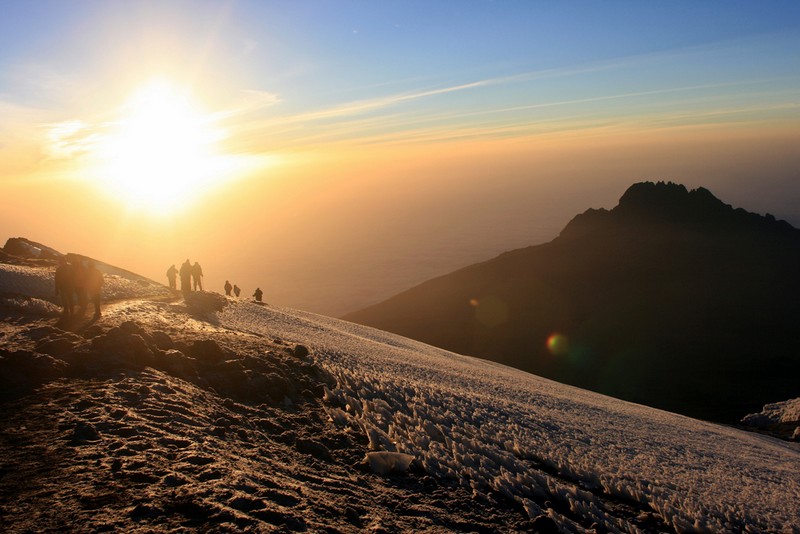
x=411, y=110
x=69, y=139
x=370, y=122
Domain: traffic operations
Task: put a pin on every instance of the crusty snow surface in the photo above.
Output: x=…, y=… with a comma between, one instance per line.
x=490, y=426
x=400, y=436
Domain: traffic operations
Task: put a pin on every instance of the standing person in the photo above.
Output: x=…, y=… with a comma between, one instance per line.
x=258, y=294
x=197, y=275
x=172, y=275
x=186, y=277
x=65, y=285
x=79, y=277
x=94, y=281
x=228, y=288
x=236, y=290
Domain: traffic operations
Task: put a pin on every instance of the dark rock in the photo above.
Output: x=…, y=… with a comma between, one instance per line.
x=41, y=332
x=92, y=332
x=25, y=248
x=247, y=504
x=176, y=363
x=57, y=346
x=352, y=515
x=173, y=481
x=223, y=421
x=318, y=390
x=24, y=368
x=131, y=327
x=269, y=426
x=206, y=351
x=544, y=525
x=162, y=340
x=210, y=474
x=201, y=303
x=279, y=387
x=300, y=351
x=313, y=448
x=84, y=432
x=288, y=437
x=121, y=348
x=145, y=511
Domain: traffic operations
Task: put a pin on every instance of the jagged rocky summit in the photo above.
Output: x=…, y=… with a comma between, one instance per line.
x=666, y=203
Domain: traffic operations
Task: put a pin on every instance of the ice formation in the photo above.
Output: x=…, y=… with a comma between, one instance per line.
x=493, y=428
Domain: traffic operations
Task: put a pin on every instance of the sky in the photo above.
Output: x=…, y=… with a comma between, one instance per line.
x=336, y=153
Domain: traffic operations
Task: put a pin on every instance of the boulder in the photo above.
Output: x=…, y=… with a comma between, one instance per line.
x=162, y=340
x=120, y=347
x=206, y=351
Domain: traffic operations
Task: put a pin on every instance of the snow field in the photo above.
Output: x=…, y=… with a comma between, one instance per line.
x=39, y=283
x=492, y=428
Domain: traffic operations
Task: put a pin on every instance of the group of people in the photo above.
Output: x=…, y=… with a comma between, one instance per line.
x=191, y=276
x=228, y=288
x=76, y=280
x=236, y=291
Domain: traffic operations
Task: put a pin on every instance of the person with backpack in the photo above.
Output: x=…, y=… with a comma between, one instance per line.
x=65, y=285
x=197, y=275
x=93, y=284
x=172, y=276
x=186, y=278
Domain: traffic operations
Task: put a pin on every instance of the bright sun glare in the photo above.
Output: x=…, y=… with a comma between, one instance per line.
x=163, y=152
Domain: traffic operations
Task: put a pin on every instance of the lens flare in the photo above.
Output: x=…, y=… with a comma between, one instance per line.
x=558, y=344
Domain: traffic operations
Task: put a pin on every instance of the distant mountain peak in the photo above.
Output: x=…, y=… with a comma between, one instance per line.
x=668, y=203
x=669, y=199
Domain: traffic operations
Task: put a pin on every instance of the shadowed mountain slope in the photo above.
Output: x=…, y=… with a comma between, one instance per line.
x=672, y=299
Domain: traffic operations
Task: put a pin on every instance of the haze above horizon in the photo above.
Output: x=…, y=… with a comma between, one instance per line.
x=335, y=153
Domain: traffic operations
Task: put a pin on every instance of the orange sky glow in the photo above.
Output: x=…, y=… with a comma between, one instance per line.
x=331, y=180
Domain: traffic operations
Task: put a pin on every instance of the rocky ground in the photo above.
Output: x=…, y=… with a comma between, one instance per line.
x=155, y=418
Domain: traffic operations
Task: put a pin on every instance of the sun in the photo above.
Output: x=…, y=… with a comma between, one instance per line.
x=162, y=152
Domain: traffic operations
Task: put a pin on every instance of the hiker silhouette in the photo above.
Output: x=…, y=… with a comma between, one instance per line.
x=228, y=288
x=93, y=284
x=236, y=290
x=186, y=277
x=197, y=276
x=65, y=285
x=258, y=294
x=172, y=275
x=79, y=284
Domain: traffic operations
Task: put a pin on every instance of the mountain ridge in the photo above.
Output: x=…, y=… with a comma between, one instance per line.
x=646, y=300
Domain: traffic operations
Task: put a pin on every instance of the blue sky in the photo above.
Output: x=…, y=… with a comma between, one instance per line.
x=328, y=52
